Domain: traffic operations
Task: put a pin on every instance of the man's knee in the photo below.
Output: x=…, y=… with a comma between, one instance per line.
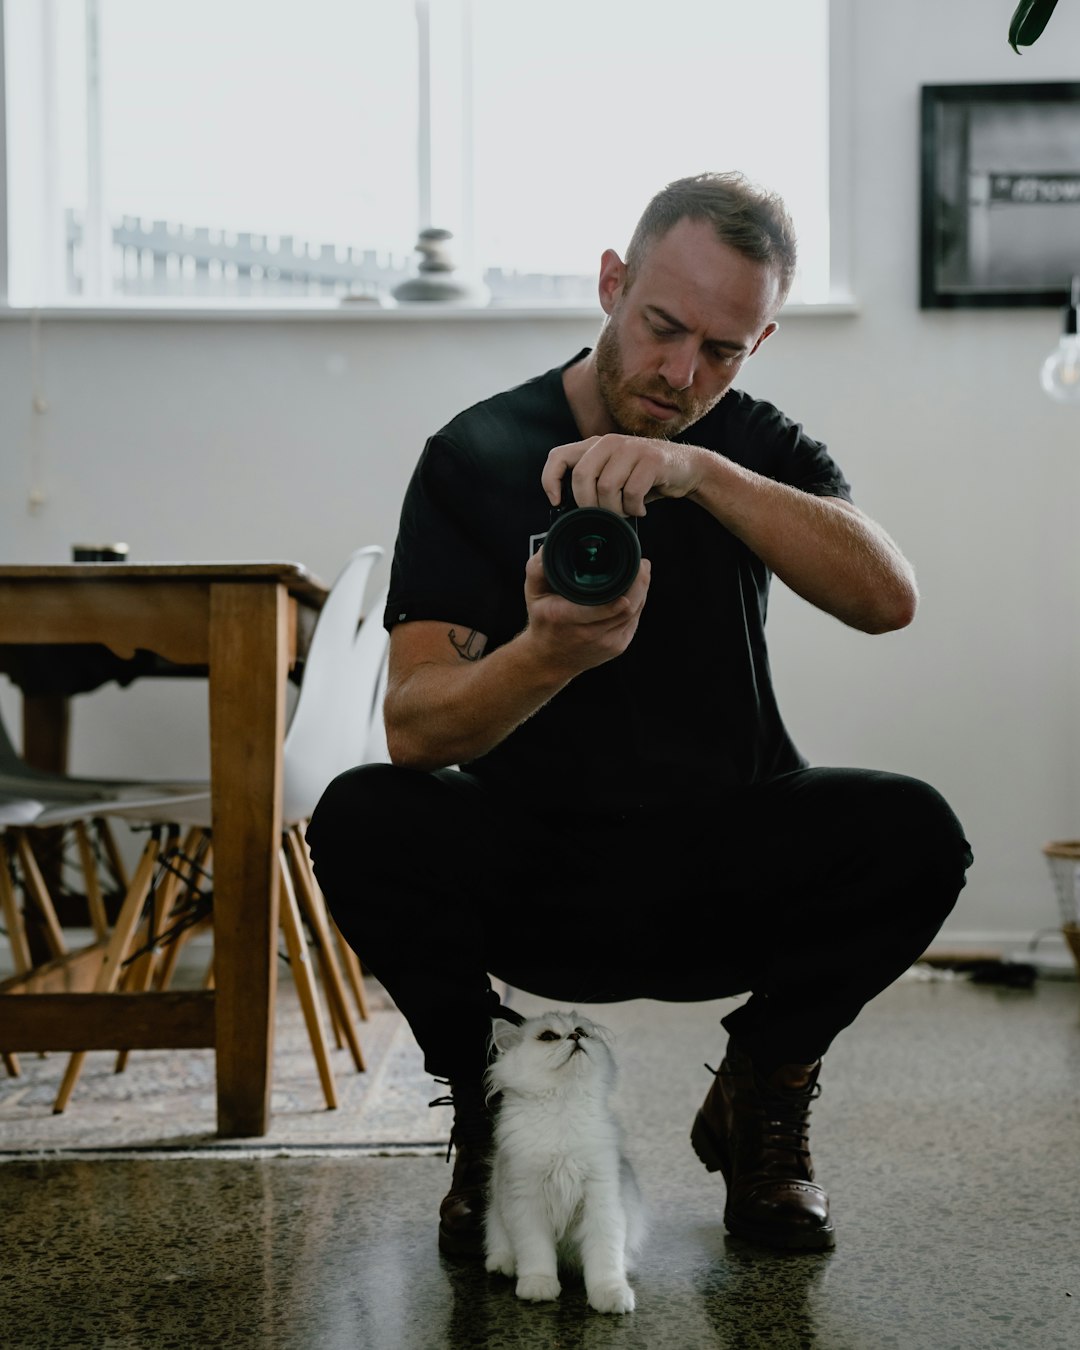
x=362, y=835
x=353, y=801
x=921, y=842
x=380, y=813
x=389, y=823
x=924, y=824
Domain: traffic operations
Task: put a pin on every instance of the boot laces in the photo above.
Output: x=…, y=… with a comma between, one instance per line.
x=472, y=1124
x=785, y=1117
x=784, y=1114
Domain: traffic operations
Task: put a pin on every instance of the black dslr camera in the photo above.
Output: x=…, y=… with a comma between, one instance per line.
x=591, y=555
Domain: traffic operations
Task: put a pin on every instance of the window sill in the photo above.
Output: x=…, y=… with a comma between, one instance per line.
x=337, y=311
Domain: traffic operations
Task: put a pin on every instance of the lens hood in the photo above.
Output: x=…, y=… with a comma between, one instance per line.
x=591, y=555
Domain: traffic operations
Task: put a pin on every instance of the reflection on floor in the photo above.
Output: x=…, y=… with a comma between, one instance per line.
x=948, y=1135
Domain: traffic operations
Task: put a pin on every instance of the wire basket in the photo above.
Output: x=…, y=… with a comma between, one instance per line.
x=1063, y=858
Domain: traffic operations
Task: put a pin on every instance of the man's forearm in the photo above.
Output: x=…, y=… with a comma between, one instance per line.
x=449, y=700
x=822, y=547
x=439, y=714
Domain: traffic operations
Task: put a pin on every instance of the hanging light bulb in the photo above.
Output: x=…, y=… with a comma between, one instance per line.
x=1061, y=369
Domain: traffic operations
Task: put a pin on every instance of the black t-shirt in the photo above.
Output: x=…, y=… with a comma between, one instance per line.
x=689, y=706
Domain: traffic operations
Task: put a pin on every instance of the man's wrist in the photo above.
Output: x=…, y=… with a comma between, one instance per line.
x=538, y=663
x=713, y=475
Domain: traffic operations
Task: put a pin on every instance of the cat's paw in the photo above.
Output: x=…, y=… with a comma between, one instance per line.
x=538, y=1288
x=616, y=1297
x=501, y=1263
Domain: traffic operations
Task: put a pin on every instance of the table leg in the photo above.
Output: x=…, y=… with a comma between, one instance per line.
x=46, y=731
x=248, y=670
x=46, y=735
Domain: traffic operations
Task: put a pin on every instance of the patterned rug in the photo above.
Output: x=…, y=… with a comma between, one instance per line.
x=164, y=1100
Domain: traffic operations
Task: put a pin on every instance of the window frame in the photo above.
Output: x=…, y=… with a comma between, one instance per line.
x=841, y=298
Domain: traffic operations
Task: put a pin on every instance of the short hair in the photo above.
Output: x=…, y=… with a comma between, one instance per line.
x=752, y=220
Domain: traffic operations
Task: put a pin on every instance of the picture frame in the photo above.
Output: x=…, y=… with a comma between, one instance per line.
x=1000, y=195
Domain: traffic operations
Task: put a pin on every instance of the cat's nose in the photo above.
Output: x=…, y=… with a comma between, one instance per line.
x=574, y=1036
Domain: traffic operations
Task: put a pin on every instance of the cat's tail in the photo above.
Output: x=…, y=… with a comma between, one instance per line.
x=634, y=1208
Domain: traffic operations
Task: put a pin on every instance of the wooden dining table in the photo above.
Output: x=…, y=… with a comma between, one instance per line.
x=245, y=624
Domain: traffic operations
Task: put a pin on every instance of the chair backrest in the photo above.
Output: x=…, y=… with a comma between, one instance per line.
x=331, y=721
x=10, y=759
x=376, y=750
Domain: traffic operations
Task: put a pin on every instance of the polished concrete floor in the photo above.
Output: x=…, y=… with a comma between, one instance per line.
x=948, y=1135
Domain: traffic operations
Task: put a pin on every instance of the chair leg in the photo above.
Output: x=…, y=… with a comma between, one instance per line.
x=300, y=965
x=112, y=853
x=138, y=977
x=167, y=968
x=336, y=1029
x=203, y=855
x=39, y=892
x=350, y=962
x=314, y=910
x=334, y=960
x=141, y=972
x=88, y=862
x=112, y=961
x=302, y=885
x=334, y=1017
x=20, y=948
x=9, y=912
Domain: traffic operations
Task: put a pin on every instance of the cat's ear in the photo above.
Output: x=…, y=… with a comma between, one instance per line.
x=504, y=1034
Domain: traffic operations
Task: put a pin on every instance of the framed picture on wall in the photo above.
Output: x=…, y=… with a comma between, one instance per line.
x=1000, y=201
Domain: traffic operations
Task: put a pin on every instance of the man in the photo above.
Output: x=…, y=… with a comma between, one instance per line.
x=631, y=819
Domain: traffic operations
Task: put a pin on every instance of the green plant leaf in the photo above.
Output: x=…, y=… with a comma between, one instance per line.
x=1030, y=18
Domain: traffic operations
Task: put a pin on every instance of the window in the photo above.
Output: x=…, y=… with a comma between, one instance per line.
x=218, y=151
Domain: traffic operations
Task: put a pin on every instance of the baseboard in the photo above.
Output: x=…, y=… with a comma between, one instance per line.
x=1046, y=948
x=968, y=939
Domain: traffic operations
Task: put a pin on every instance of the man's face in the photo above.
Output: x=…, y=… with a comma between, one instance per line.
x=677, y=336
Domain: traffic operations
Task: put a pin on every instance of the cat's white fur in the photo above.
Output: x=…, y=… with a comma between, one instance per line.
x=562, y=1192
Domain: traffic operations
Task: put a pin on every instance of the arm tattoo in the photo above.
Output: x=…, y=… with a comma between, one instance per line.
x=471, y=649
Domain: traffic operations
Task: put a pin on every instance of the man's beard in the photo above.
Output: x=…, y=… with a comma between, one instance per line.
x=620, y=396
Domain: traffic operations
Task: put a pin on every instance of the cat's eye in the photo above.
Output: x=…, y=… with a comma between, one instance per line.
x=581, y=1033
x=549, y=1036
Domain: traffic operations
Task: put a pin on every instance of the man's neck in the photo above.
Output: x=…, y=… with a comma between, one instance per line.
x=582, y=387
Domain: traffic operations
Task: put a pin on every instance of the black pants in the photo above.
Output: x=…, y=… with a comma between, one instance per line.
x=812, y=892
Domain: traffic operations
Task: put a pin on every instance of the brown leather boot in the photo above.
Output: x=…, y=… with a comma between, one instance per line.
x=461, y=1214
x=755, y=1130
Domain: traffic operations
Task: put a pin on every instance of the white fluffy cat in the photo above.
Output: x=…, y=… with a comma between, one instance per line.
x=561, y=1192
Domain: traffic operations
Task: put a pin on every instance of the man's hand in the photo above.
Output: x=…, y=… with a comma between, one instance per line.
x=445, y=705
x=568, y=638
x=623, y=473
x=824, y=548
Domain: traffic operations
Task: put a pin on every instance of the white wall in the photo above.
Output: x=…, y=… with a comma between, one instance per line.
x=204, y=439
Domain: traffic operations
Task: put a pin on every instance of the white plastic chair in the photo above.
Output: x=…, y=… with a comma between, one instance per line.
x=44, y=786
x=329, y=732
x=338, y=703
x=37, y=797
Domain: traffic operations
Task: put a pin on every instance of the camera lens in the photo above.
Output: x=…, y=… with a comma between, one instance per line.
x=591, y=556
